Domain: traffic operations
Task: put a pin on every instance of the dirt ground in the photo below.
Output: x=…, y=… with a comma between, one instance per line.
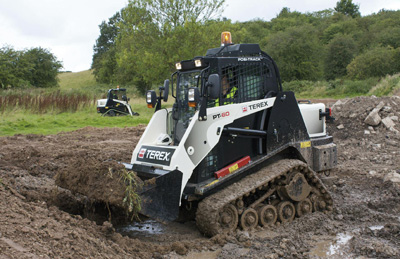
x=40, y=219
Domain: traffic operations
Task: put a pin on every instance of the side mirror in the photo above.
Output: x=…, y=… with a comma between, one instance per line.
x=166, y=90
x=151, y=98
x=214, y=85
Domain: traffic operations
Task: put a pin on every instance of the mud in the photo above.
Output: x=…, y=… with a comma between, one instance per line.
x=38, y=218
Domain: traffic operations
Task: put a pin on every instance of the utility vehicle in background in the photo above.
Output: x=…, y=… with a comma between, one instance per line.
x=115, y=104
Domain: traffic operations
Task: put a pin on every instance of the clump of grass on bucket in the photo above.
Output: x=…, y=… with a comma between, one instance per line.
x=131, y=200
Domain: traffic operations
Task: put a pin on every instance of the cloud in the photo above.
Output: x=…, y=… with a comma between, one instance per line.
x=69, y=29
x=34, y=18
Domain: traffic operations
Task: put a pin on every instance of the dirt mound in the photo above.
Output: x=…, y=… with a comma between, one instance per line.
x=367, y=146
x=98, y=180
x=40, y=218
x=353, y=117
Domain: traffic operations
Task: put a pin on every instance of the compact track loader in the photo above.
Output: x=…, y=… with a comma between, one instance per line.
x=116, y=104
x=235, y=150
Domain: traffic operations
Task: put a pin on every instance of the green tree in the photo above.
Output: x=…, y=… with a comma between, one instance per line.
x=376, y=62
x=347, y=26
x=34, y=67
x=156, y=34
x=174, y=13
x=341, y=51
x=254, y=31
x=287, y=19
x=389, y=36
x=347, y=7
x=297, y=52
x=8, y=67
x=43, y=65
x=104, y=60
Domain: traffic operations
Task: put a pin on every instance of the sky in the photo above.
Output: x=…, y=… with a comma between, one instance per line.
x=69, y=29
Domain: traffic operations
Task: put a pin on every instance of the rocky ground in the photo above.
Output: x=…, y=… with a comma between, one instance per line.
x=40, y=219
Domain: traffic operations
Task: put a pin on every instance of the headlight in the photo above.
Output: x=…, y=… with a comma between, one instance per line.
x=148, y=97
x=151, y=98
x=178, y=66
x=191, y=97
x=197, y=63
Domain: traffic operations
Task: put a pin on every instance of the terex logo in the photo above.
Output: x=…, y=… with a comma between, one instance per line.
x=258, y=105
x=221, y=115
x=155, y=155
x=142, y=152
x=158, y=155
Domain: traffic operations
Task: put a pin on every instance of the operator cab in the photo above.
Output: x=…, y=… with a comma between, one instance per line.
x=230, y=74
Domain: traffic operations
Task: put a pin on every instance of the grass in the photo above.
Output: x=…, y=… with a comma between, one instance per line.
x=72, y=105
x=83, y=82
x=21, y=122
x=76, y=81
x=67, y=108
x=343, y=88
x=387, y=86
x=340, y=88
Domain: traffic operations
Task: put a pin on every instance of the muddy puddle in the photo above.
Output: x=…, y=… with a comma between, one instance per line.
x=331, y=246
x=150, y=230
x=144, y=228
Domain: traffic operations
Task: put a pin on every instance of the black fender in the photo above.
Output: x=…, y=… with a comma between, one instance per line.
x=285, y=123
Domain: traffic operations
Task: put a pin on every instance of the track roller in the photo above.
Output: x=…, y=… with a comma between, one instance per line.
x=249, y=219
x=267, y=215
x=286, y=211
x=303, y=207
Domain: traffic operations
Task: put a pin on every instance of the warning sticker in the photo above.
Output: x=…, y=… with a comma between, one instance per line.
x=305, y=144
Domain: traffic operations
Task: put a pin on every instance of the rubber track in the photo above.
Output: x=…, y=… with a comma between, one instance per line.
x=209, y=208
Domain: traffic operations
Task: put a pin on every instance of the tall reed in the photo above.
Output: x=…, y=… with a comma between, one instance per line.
x=46, y=102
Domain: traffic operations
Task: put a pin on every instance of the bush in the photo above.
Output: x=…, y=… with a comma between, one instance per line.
x=341, y=51
x=376, y=62
x=35, y=67
x=297, y=53
x=338, y=88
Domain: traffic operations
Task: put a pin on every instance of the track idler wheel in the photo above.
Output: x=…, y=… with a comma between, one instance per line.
x=303, y=207
x=267, y=215
x=229, y=218
x=286, y=211
x=249, y=219
x=297, y=189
